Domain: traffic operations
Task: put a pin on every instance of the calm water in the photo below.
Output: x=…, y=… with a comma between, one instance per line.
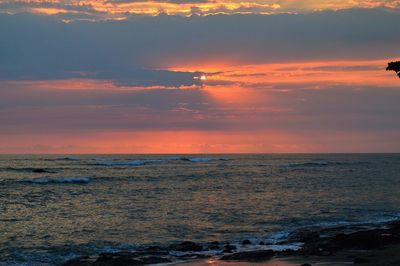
x=86, y=204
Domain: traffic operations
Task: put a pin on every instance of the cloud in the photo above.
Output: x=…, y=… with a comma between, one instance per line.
x=288, y=80
x=132, y=51
x=117, y=9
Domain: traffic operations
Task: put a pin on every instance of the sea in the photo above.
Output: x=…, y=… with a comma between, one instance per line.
x=56, y=207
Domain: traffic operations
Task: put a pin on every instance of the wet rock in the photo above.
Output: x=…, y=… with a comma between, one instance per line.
x=305, y=236
x=79, y=261
x=250, y=256
x=193, y=256
x=110, y=259
x=154, y=260
x=154, y=248
x=228, y=248
x=246, y=242
x=360, y=240
x=124, y=258
x=123, y=261
x=326, y=253
x=104, y=258
x=213, y=246
x=188, y=246
x=151, y=252
x=395, y=226
x=125, y=253
x=360, y=260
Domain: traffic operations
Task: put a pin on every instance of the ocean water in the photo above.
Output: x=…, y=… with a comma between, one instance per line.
x=53, y=208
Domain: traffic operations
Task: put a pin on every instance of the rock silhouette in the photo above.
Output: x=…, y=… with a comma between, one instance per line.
x=394, y=66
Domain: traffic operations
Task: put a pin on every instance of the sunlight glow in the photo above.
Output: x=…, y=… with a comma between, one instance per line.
x=103, y=9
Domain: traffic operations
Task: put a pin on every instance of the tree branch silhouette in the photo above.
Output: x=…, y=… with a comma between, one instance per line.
x=394, y=66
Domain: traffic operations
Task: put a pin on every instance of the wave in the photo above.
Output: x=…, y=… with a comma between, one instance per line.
x=131, y=163
x=291, y=240
x=113, y=162
x=104, y=159
x=204, y=159
x=317, y=163
x=27, y=170
x=313, y=163
x=69, y=159
x=69, y=180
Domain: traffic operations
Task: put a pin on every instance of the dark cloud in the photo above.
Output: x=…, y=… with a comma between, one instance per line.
x=43, y=47
x=26, y=6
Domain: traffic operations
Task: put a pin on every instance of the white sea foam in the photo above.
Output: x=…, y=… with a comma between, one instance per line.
x=104, y=159
x=82, y=179
x=292, y=246
x=130, y=163
x=115, y=162
x=204, y=160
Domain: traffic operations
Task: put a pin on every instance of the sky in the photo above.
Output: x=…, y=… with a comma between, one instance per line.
x=199, y=76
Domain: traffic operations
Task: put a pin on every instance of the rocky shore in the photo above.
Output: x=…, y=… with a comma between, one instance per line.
x=358, y=244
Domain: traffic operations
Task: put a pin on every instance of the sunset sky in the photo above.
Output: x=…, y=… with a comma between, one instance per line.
x=199, y=76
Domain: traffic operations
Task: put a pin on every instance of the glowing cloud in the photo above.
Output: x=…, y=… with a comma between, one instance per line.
x=116, y=9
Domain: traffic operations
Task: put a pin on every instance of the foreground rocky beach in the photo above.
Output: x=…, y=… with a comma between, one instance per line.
x=366, y=244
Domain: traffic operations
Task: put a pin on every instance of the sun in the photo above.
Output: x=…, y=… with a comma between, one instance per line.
x=202, y=77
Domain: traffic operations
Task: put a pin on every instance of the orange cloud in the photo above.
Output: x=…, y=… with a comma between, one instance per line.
x=319, y=73
x=119, y=9
x=329, y=106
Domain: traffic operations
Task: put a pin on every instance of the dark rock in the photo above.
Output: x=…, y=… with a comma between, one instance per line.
x=106, y=254
x=110, y=259
x=213, y=245
x=360, y=240
x=78, y=261
x=246, y=242
x=151, y=252
x=188, y=246
x=395, y=226
x=154, y=260
x=360, y=260
x=125, y=253
x=229, y=248
x=193, y=256
x=153, y=248
x=306, y=264
x=261, y=243
x=124, y=261
x=104, y=258
x=288, y=252
x=305, y=236
x=250, y=256
x=325, y=253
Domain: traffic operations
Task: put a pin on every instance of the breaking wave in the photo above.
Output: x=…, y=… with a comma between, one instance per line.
x=114, y=162
x=81, y=180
